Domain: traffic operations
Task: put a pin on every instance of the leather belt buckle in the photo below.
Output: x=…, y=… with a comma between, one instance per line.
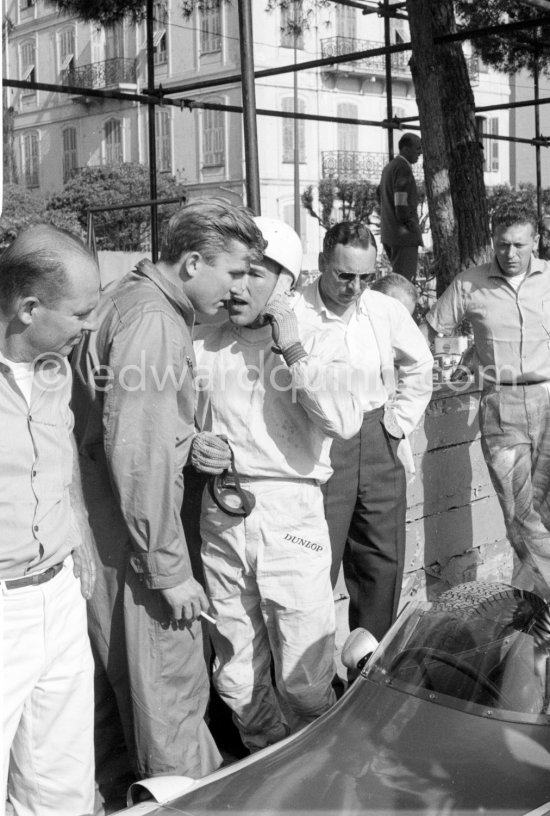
x=35, y=579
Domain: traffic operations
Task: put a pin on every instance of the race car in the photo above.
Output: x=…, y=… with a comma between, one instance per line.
x=450, y=714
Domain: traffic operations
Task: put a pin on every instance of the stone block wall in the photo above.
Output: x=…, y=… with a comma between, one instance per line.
x=455, y=530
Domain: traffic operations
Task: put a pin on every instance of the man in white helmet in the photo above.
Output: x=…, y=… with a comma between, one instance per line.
x=279, y=393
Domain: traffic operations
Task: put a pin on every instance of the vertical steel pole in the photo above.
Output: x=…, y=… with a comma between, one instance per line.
x=152, y=133
x=296, y=156
x=252, y=181
x=537, y=146
x=389, y=90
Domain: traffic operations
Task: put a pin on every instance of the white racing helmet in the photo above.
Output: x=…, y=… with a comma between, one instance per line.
x=283, y=244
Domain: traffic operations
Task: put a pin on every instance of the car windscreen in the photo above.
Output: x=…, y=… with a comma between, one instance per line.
x=491, y=659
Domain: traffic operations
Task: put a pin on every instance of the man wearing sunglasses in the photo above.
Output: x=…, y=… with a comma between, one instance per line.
x=280, y=393
x=365, y=499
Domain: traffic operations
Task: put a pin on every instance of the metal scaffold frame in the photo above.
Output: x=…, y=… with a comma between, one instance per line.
x=157, y=95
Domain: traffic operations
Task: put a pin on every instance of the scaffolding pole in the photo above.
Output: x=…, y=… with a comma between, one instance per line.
x=190, y=104
x=464, y=34
x=389, y=88
x=152, y=133
x=252, y=170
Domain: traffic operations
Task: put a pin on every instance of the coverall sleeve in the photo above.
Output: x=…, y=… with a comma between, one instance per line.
x=141, y=421
x=323, y=381
x=414, y=378
x=449, y=310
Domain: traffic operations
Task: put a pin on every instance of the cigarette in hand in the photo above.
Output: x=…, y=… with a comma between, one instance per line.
x=207, y=617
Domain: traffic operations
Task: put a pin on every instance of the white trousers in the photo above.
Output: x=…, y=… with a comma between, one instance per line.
x=46, y=698
x=268, y=579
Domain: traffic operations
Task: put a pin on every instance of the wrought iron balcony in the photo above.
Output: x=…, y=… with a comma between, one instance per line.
x=358, y=165
x=338, y=46
x=105, y=74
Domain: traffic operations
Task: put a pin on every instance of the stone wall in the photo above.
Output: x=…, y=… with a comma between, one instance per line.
x=455, y=530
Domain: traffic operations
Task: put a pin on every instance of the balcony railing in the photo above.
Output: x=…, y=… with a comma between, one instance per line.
x=358, y=165
x=338, y=46
x=105, y=74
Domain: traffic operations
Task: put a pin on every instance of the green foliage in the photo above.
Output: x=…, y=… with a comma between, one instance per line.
x=354, y=199
x=106, y=12
x=126, y=229
x=509, y=53
x=189, y=6
x=20, y=208
x=502, y=193
x=300, y=13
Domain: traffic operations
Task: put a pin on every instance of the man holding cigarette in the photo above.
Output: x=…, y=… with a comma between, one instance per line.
x=134, y=403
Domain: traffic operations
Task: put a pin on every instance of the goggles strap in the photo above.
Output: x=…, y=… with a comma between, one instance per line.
x=219, y=483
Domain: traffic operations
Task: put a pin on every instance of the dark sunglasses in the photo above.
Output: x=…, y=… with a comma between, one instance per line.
x=349, y=277
x=227, y=493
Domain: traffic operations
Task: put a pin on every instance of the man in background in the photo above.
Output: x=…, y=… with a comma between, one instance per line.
x=365, y=498
x=507, y=302
x=398, y=195
x=398, y=287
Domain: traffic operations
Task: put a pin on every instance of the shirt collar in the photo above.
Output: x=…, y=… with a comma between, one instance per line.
x=536, y=265
x=400, y=156
x=52, y=362
x=319, y=304
x=168, y=287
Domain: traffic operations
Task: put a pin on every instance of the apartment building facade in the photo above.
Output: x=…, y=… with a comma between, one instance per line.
x=56, y=133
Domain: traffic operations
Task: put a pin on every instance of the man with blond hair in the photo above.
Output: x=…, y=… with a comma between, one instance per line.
x=134, y=399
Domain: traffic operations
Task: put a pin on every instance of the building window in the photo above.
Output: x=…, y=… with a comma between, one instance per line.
x=160, y=37
x=487, y=128
x=346, y=22
x=288, y=132
x=211, y=28
x=113, y=153
x=66, y=50
x=25, y=4
x=213, y=138
x=347, y=133
x=70, y=155
x=290, y=35
x=30, y=160
x=114, y=42
x=164, y=141
x=28, y=65
x=399, y=32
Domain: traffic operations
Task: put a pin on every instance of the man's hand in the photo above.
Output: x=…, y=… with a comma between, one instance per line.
x=186, y=600
x=210, y=453
x=85, y=566
x=284, y=323
x=284, y=328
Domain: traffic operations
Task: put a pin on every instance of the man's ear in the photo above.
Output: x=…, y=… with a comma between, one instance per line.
x=321, y=262
x=25, y=308
x=189, y=264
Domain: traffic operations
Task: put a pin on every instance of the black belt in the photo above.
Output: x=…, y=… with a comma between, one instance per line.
x=35, y=579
